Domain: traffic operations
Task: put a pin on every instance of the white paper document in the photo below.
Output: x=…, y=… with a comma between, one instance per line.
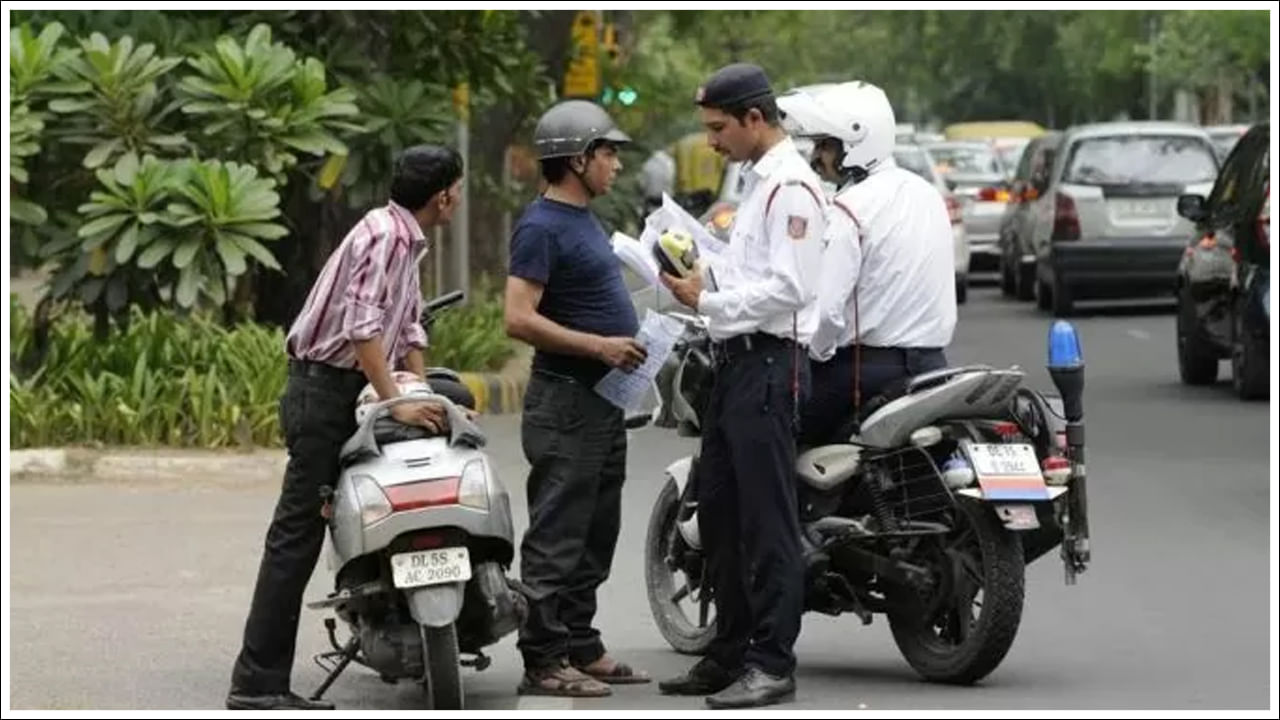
x=658, y=334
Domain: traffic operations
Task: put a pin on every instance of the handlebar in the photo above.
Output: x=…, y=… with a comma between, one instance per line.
x=436, y=304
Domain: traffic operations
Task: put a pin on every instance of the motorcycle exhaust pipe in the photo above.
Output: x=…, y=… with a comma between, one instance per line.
x=1066, y=369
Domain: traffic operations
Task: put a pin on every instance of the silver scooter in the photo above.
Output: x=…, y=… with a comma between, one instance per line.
x=420, y=539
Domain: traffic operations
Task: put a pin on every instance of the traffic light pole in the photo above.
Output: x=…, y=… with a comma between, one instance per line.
x=460, y=226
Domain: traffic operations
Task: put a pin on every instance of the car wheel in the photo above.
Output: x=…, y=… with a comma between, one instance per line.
x=1008, y=286
x=1025, y=282
x=1060, y=296
x=1044, y=293
x=1248, y=363
x=1197, y=360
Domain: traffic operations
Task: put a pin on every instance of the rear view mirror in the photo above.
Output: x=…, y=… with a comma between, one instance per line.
x=1192, y=207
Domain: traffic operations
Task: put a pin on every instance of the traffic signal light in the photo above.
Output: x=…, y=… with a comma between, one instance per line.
x=624, y=95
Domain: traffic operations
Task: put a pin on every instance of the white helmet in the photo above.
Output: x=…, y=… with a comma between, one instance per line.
x=407, y=382
x=856, y=113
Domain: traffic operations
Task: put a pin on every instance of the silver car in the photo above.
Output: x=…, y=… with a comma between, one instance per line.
x=974, y=172
x=1107, y=225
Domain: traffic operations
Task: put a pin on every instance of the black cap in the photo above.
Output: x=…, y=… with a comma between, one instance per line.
x=734, y=85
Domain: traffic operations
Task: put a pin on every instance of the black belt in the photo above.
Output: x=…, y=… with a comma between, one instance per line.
x=739, y=345
x=309, y=368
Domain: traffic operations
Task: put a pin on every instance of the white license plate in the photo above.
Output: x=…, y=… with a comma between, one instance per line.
x=1007, y=471
x=1004, y=460
x=431, y=567
x=1141, y=209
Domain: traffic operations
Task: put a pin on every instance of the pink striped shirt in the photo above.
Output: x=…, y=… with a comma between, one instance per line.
x=368, y=287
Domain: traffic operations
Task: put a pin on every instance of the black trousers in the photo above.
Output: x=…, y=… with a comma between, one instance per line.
x=576, y=445
x=317, y=414
x=831, y=403
x=747, y=513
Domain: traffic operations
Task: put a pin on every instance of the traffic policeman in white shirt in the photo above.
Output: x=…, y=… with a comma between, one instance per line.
x=886, y=298
x=759, y=301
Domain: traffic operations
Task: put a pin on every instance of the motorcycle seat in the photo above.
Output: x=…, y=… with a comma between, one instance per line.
x=899, y=388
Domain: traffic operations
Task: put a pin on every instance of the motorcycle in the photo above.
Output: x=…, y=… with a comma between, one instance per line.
x=947, y=486
x=420, y=538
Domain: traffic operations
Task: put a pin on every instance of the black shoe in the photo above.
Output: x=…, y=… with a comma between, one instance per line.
x=706, y=677
x=756, y=688
x=287, y=701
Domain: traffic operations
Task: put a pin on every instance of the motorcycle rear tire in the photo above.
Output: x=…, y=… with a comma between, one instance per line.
x=991, y=636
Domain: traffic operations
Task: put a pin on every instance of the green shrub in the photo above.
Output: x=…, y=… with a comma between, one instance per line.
x=472, y=337
x=184, y=380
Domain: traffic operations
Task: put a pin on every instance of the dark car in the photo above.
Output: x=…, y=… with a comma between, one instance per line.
x=1016, y=252
x=1224, y=278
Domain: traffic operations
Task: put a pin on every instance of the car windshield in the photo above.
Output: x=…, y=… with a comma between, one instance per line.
x=915, y=160
x=1223, y=142
x=1010, y=153
x=965, y=160
x=1134, y=159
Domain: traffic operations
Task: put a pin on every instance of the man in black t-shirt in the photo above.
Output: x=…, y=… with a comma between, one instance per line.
x=566, y=297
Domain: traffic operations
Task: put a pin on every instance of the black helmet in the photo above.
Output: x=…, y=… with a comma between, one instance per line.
x=569, y=128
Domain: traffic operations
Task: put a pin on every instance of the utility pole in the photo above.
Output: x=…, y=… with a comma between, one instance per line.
x=460, y=225
x=1152, y=33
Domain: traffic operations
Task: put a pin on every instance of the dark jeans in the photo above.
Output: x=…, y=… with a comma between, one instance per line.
x=577, y=446
x=747, y=510
x=831, y=404
x=317, y=414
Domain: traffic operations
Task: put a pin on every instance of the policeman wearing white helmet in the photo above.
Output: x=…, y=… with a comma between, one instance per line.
x=886, y=297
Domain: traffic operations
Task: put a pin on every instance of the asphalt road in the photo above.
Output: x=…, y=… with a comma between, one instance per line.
x=134, y=596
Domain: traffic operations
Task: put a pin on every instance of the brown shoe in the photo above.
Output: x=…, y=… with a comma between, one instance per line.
x=561, y=680
x=610, y=671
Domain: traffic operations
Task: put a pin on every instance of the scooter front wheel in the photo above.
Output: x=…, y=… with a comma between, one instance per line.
x=442, y=683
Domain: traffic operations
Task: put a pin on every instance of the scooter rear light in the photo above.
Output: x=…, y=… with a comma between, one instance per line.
x=427, y=541
x=424, y=493
x=1007, y=430
x=473, y=487
x=370, y=499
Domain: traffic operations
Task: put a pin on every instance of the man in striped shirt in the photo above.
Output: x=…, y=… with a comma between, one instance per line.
x=360, y=321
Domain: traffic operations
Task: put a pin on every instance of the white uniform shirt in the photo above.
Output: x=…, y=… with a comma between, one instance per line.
x=770, y=269
x=888, y=266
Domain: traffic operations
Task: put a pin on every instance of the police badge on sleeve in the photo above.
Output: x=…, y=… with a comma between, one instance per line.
x=796, y=226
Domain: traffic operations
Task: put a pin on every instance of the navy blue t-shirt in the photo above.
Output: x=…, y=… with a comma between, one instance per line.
x=563, y=248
